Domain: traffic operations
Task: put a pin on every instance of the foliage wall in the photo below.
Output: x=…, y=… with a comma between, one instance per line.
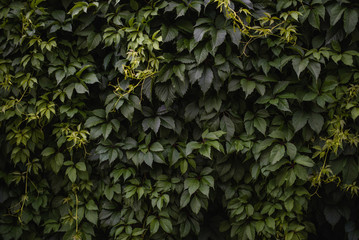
x=179, y=119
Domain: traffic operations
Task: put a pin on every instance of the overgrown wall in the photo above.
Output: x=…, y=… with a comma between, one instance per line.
x=179, y=119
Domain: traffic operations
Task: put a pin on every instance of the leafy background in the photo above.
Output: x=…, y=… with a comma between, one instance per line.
x=179, y=119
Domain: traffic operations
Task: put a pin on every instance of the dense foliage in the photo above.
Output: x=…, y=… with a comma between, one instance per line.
x=179, y=119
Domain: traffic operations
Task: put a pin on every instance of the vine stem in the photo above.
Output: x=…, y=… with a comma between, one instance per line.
x=76, y=213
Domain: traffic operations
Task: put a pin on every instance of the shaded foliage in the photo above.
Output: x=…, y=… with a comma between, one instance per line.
x=179, y=119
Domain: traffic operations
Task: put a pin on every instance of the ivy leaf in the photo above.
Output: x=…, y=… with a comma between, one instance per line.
x=80, y=88
x=314, y=68
x=148, y=158
x=260, y=124
x=191, y=111
x=185, y=198
x=206, y=80
x=192, y=184
x=331, y=215
x=289, y=204
x=229, y=127
x=81, y=166
x=93, y=121
x=235, y=35
x=247, y=86
x=280, y=86
x=249, y=232
x=48, y=151
x=291, y=150
x=355, y=113
x=71, y=172
x=304, y=161
x=336, y=13
x=154, y=226
x=219, y=38
x=93, y=40
x=90, y=78
x=200, y=54
x=59, y=75
x=195, y=205
x=127, y=110
x=155, y=126
x=316, y=122
x=106, y=130
x=91, y=205
x=299, y=65
x=199, y=32
x=168, y=33
x=277, y=153
x=156, y=147
x=92, y=216
x=299, y=120
x=195, y=74
x=166, y=225
x=350, y=20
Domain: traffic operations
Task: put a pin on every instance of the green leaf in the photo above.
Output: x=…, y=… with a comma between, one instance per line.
x=59, y=15
x=71, y=172
x=154, y=226
x=48, y=151
x=355, y=113
x=235, y=35
x=127, y=111
x=148, y=158
x=304, y=161
x=192, y=184
x=301, y=172
x=59, y=160
x=289, y=204
x=156, y=147
x=168, y=33
x=90, y=78
x=299, y=120
x=277, y=153
x=93, y=40
x=219, y=38
x=314, y=68
x=185, y=198
x=247, y=86
x=93, y=121
x=291, y=150
x=59, y=75
x=91, y=205
x=260, y=124
x=166, y=225
x=299, y=65
x=179, y=71
x=270, y=222
x=248, y=232
x=80, y=88
x=92, y=216
x=81, y=166
x=350, y=20
x=205, y=151
x=336, y=13
x=205, y=81
x=195, y=205
x=280, y=87
x=199, y=32
x=332, y=215
x=316, y=122
x=229, y=127
x=106, y=130
x=192, y=146
x=200, y=54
